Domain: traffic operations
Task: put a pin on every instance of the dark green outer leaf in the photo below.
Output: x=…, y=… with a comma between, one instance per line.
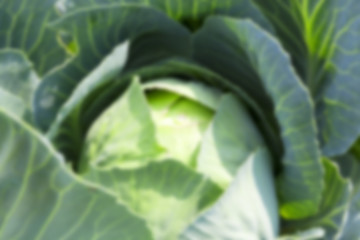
x=350, y=168
x=323, y=38
x=16, y=74
x=17, y=82
x=287, y=22
x=339, y=103
x=190, y=12
x=237, y=42
x=333, y=207
x=351, y=229
x=12, y=104
x=24, y=26
x=72, y=121
x=96, y=31
x=41, y=199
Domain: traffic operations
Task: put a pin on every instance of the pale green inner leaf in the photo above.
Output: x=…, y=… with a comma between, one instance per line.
x=247, y=210
x=167, y=194
x=180, y=124
x=227, y=142
x=195, y=91
x=124, y=135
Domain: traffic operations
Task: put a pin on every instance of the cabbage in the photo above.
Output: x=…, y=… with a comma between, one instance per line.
x=234, y=119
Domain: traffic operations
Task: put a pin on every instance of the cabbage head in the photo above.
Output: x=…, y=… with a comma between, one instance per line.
x=179, y=119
